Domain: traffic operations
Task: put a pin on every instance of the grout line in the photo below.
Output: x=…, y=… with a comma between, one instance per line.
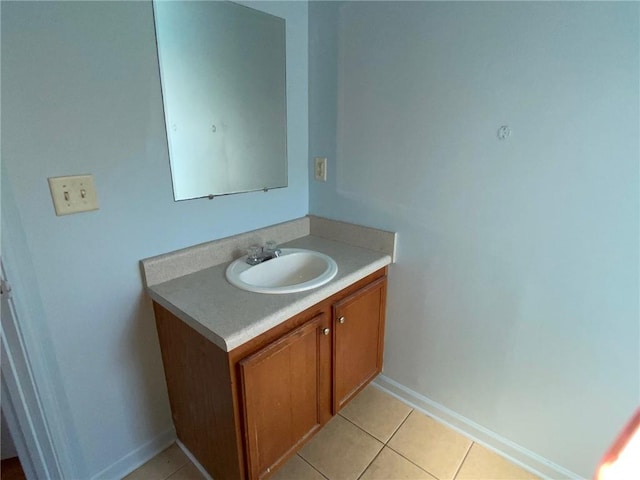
x=369, y=464
x=463, y=460
x=181, y=468
x=370, y=435
x=308, y=463
x=399, y=426
x=414, y=463
x=373, y=436
x=411, y=461
x=362, y=429
x=386, y=445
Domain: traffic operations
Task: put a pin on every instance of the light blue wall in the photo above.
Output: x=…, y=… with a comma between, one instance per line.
x=514, y=301
x=81, y=94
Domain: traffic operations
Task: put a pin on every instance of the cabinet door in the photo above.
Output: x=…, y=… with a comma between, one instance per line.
x=358, y=341
x=281, y=396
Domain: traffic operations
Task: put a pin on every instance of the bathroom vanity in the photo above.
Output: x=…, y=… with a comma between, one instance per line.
x=251, y=377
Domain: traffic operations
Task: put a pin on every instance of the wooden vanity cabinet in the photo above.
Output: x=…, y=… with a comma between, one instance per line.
x=358, y=340
x=280, y=396
x=244, y=413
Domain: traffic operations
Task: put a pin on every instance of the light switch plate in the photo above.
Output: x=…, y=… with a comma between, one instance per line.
x=320, y=168
x=73, y=194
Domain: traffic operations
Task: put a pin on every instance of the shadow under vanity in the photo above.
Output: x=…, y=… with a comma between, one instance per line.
x=252, y=377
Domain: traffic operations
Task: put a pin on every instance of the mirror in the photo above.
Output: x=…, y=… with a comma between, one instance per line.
x=222, y=70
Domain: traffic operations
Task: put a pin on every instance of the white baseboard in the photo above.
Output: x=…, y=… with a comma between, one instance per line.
x=194, y=460
x=513, y=452
x=138, y=457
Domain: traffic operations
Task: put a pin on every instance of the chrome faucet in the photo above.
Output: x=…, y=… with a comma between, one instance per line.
x=257, y=254
x=272, y=249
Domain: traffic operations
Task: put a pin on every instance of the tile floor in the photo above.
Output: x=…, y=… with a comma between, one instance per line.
x=375, y=437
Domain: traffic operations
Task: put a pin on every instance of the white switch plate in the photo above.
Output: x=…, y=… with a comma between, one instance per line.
x=320, y=168
x=73, y=194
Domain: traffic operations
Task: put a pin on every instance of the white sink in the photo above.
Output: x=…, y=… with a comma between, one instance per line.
x=295, y=270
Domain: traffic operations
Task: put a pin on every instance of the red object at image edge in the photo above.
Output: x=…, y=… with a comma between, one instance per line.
x=622, y=460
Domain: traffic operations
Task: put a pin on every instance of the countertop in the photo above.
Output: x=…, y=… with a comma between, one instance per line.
x=229, y=316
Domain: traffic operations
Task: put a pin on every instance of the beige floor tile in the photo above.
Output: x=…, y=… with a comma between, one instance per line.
x=376, y=412
x=297, y=469
x=341, y=451
x=483, y=464
x=390, y=465
x=430, y=445
x=188, y=472
x=161, y=466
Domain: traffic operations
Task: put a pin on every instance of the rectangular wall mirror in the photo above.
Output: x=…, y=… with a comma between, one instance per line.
x=222, y=69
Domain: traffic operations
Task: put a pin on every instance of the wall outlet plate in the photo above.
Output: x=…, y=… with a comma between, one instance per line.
x=320, y=168
x=73, y=194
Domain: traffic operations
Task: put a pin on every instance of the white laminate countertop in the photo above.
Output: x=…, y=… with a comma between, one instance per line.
x=229, y=316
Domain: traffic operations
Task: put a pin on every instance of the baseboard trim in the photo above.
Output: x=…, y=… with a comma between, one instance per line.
x=513, y=452
x=194, y=460
x=138, y=457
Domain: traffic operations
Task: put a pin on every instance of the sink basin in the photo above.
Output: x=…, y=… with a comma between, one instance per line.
x=295, y=270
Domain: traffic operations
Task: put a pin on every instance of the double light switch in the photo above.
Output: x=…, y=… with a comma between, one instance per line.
x=73, y=194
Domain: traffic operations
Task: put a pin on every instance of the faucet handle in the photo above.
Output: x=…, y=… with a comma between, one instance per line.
x=253, y=254
x=271, y=247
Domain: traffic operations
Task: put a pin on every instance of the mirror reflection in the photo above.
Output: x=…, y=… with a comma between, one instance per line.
x=222, y=69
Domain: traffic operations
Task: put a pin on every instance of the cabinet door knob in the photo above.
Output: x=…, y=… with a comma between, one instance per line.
x=326, y=331
x=342, y=320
